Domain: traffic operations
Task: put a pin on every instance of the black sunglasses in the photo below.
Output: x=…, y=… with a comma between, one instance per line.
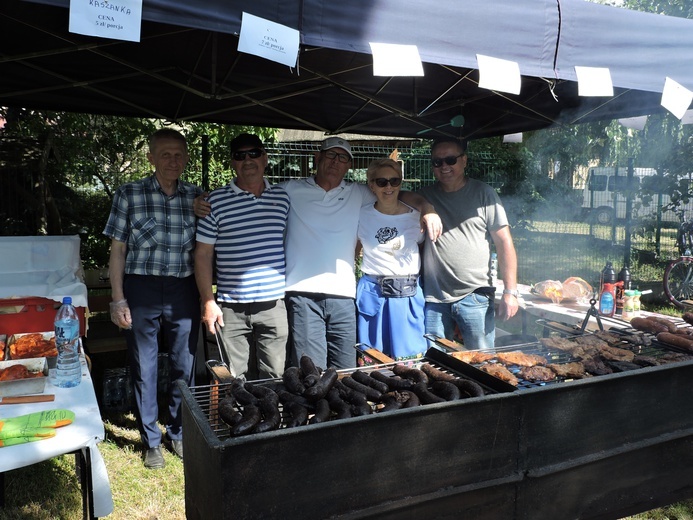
x=341, y=157
x=253, y=154
x=449, y=160
x=381, y=182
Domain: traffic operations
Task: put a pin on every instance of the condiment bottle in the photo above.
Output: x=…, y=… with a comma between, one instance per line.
x=628, y=305
x=622, y=285
x=607, y=300
x=636, y=304
x=608, y=275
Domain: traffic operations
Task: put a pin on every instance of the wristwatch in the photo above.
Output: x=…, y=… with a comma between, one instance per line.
x=513, y=292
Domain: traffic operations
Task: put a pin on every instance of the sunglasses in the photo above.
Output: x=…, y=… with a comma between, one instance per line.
x=381, y=182
x=253, y=154
x=449, y=160
x=342, y=157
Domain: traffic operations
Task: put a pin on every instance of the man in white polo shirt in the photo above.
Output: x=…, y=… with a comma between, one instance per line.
x=320, y=249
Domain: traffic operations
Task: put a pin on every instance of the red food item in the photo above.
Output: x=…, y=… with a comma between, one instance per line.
x=32, y=346
x=15, y=372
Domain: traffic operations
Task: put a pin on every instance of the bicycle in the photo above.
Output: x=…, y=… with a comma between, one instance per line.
x=678, y=275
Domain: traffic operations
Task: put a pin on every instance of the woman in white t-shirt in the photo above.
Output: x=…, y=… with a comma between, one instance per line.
x=389, y=298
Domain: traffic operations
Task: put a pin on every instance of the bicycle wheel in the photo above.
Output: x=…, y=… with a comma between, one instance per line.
x=678, y=280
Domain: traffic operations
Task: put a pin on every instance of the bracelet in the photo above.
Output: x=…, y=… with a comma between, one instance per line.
x=119, y=302
x=512, y=292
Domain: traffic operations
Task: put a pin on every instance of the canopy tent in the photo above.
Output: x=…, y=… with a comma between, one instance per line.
x=187, y=67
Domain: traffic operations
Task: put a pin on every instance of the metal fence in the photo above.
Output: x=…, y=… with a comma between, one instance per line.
x=556, y=242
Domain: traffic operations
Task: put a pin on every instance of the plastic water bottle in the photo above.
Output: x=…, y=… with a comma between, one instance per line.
x=494, y=269
x=68, y=369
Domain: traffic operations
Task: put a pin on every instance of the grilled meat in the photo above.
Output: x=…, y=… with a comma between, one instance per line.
x=536, y=373
x=616, y=354
x=14, y=372
x=472, y=356
x=516, y=357
x=646, y=361
x=32, y=346
x=596, y=366
x=569, y=370
x=500, y=372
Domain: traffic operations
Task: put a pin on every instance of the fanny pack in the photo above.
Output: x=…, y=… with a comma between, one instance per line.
x=398, y=286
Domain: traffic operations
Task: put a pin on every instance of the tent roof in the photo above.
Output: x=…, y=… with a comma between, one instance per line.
x=186, y=66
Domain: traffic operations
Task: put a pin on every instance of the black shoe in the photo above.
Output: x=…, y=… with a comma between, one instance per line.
x=175, y=446
x=153, y=458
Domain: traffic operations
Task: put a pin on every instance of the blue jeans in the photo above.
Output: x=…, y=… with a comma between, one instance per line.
x=323, y=328
x=474, y=315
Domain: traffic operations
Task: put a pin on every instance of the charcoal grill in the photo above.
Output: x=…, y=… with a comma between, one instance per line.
x=603, y=447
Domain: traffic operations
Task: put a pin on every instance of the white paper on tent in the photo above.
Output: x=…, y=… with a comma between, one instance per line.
x=391, y=59
x=499, y=75
x=594, y=81
x=268, y=40
x=118, y=20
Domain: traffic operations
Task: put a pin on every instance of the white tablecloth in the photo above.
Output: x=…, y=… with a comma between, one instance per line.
x=85, y=432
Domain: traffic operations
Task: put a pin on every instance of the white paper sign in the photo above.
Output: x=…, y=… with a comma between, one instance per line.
x=497, y=74
x=390, y=59
x=117, y=19
x=268, y=40
x=676, y=98
x=687, y=118
x=636, y=123
x=512, y=138
x=594, y=81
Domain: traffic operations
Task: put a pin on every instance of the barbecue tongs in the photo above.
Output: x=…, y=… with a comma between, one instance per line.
x=592, y=311
x=220, y=369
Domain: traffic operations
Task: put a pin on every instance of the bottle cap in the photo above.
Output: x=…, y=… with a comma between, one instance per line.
x=67, y=300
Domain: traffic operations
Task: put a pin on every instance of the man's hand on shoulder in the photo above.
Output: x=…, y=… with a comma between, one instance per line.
x=201, y=207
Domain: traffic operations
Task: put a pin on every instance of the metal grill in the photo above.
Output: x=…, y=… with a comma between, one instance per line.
x=209, y=396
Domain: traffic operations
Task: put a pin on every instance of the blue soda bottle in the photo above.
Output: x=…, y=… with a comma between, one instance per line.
x=68, y=370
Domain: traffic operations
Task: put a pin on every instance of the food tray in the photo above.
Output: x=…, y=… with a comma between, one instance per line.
x=46, y=336
x=32, y=385
x=3, y=347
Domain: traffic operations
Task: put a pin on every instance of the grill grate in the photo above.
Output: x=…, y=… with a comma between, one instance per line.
x=648, y=351
x=208, y=396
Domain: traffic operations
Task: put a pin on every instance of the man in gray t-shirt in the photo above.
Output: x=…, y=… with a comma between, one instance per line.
x=456, y=279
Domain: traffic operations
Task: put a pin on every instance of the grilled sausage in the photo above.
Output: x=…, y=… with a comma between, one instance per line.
x=435, y=374
x=446, y=390
x=228, y=412
x=688, y=317
x=371, y=393
x=326, y=381
x=338, y=405
x=425, y=395
x=322, y=412
x=647, y=325
x=414, y=374
x=393, y=383
x=272, y=418
x=468, y=388
x=390, y=402
x=670, y=325
x=676, y=340
x=262, y=392
x=292, y=380
x=367, y=380
x=298, y=415
x=251, y=416
x=307, y=366
x=411, y=399
x=241, y=394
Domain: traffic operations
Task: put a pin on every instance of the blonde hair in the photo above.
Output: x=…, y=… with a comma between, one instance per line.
x=374, y=166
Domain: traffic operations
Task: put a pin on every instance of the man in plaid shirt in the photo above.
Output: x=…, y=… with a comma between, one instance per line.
x=152, y=232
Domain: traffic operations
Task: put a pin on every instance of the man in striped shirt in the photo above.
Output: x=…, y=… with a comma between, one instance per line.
x=246, y=228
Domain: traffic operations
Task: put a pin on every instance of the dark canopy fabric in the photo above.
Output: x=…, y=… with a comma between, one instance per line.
x=186, y=66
